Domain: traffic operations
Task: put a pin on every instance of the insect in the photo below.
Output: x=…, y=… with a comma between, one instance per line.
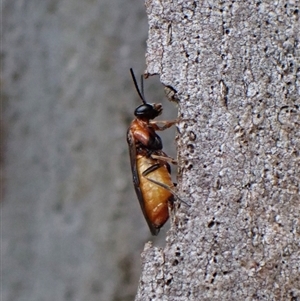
x=149, y=164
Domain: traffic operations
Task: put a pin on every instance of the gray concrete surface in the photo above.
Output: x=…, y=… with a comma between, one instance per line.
x=70, y=223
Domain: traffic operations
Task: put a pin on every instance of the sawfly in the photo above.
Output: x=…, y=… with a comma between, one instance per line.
x=150, y=167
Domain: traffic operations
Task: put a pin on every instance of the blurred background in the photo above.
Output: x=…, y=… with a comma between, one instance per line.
x=71, y=225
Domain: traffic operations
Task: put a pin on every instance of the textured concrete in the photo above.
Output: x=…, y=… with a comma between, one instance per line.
x=236, y=68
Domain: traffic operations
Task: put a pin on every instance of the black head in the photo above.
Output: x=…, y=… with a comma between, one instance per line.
x=146, y=110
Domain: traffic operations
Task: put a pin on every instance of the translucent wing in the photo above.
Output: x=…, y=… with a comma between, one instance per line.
x=136, y=179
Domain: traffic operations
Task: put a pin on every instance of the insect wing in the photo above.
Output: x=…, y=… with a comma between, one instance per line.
x=136, y=179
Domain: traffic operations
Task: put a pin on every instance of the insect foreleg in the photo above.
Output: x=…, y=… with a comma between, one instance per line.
x=167, y=124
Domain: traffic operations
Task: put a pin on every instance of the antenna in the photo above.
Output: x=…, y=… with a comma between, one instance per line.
x=142, y=86
x=141, y=95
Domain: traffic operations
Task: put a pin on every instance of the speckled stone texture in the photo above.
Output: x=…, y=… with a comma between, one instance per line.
x=235, y=68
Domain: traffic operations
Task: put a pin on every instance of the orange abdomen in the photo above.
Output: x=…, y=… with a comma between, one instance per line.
x=155, y=197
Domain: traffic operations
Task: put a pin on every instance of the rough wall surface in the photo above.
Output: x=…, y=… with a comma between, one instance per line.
x=71, y=225
x=235, y=67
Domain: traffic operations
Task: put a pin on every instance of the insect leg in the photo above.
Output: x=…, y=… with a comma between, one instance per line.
x=153, y=168
x=165, y=158
x=169, y=189
x=167, y=124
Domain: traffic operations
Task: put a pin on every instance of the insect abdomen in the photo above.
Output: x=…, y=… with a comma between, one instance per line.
x=155, y=197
